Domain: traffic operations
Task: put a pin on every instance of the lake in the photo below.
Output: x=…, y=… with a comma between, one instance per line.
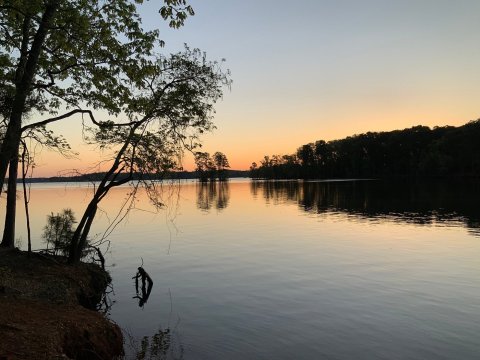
x=291, y=270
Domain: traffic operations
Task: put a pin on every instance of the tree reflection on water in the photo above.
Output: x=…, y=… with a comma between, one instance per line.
x=162, y=345
x=165, y=342
x=159, y=346
x=411, y=202
x=213, y=194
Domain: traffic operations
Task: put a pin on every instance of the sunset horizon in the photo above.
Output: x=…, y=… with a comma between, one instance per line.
x=205, y=179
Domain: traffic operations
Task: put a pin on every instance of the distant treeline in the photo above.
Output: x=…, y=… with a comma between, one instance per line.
x=94, y=177
x=416, y=152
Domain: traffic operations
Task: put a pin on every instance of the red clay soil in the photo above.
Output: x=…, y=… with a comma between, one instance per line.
x=40, y=312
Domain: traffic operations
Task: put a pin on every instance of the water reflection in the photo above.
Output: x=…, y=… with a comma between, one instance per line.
x=159, y=346
x=410, y=202
x=165, y=343
x=162, y=345
x=213, y=194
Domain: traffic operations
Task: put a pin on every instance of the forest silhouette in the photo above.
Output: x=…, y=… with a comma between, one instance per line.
x=419, y=151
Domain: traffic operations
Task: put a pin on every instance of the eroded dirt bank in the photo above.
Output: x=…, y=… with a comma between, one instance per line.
x=47, y=310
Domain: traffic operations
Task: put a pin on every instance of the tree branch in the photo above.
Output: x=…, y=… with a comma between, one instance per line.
x=79, y=111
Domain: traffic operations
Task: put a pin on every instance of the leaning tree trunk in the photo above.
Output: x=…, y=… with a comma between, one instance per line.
x=86, y=230
x=79, y=237
x=8, y=239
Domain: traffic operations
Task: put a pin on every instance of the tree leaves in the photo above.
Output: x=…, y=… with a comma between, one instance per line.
x=90, y=52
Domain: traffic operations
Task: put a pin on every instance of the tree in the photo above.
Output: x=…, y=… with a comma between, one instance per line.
x=37, y=135
x=221, y=163
x=211, y=167
x=59, y=231
x=166, y=114
x=205, y=166
x=57, y=55
x=254, y=170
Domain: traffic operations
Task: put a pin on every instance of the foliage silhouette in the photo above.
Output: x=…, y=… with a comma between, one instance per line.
x=211, y=167
x=59, y=55
x=416, y=152
x=166, y=114
x=58, y=232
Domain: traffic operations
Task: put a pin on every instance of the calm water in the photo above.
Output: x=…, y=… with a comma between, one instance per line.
x=321, y=270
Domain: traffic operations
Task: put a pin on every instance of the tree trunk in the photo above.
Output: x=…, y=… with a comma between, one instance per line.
x=24, y=77
x=10, y=146
x=8, y=239
x=79, y=238
x=86, y=230
x=25, y=202
x=73, y=256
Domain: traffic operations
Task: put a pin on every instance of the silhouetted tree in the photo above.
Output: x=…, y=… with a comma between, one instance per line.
x=221, y=164
x=64, y=54
x=205, y=166
x=211, y=167
x=36, y=135
x=171, y=108
x=59, y=231
x=254, y=170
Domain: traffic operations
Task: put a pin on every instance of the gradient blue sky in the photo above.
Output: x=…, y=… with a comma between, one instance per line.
x=311, y=70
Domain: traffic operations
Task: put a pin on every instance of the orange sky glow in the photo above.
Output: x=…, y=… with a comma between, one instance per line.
x=326, y=71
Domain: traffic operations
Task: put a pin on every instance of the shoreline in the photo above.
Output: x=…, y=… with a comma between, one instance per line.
x=49, y=309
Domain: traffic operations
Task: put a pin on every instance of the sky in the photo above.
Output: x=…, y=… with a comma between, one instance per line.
x=321, y=69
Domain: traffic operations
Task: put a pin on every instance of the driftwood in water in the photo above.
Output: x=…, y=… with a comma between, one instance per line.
x=145, y=291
